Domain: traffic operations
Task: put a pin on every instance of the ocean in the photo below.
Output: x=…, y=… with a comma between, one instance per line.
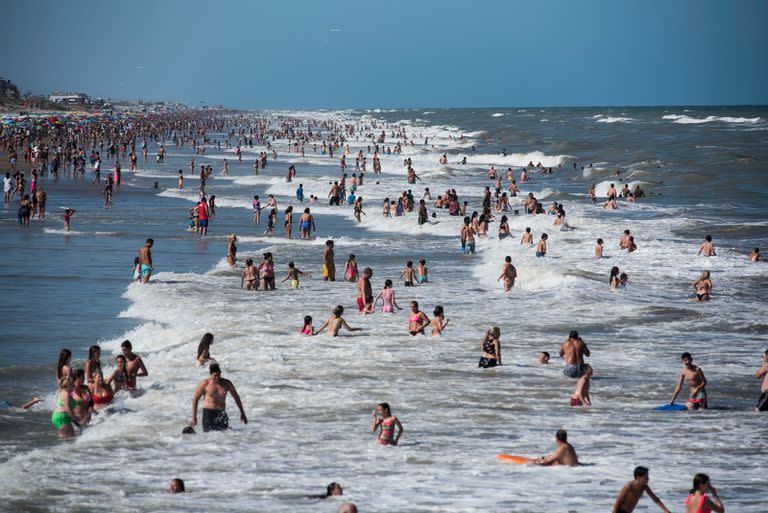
x=309, y=399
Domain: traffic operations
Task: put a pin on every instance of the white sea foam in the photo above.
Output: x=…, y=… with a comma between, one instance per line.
x=687, y=120
x=615, y=120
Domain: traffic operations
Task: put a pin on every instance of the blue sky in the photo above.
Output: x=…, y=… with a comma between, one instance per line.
x=351, y=54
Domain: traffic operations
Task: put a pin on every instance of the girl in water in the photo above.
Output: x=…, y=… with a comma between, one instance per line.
x=119, y=379
x=64, y=415
x=350, y=270
x=614, y=279
x=383, y=418
x=63, y=367
x=204, y=351
x=101, y=392
x=503, y=228
x=288, y=221
x=703, y=287
x=94, y=363
x=308, y=329
x=703, y=497
x=387, y=296
x=417, y=320
x=249, y=276
x=82, y=397
x=439, y=322
x=232, y=250
x=491, y=349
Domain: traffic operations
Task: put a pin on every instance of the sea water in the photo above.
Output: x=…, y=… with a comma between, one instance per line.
x=309, y=400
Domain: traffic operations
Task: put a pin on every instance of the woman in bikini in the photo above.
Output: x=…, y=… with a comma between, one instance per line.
x=387, y=296
x=491, y=349
x=383, y=418
x=232, y=250
x=64, y=367
x=101, y=392
x=119, y=379
x=248, y=277
x=503, y=228
x=82, y=397
x=93, y=365
x=703, y=497
x=439, y=322
x=204, y=351
x=703, y=287
x=614, y=279
x=417, y=320
x=350, y=270
x=288, y=221
x=64, y=416
x=268, y=273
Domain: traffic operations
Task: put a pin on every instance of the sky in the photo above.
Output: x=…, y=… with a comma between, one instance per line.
x=392, y=54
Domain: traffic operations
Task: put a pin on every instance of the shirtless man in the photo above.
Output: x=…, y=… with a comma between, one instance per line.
x=707, y=247
x=624, y=241
x=335, y=322
x=762, y=373
x=541, y=247
x=632, y=491
x=508, y=274
x=467, y=238
x=574, y=350
x=564, y=453
x=611, y=191
x=696, y=380
x=306, y=222
x=215, y=390
x=134, y=366
x=145, y=260
x=329, y=268
x=365, y=292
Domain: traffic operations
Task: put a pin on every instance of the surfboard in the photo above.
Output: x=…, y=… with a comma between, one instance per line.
x=515, y=460
x=671, y=407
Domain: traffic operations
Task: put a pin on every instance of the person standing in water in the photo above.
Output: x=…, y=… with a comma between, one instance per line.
x=707, y=247
x=387, y=296
x=491, y=349
x=387, y=423
x=580, y=396
x=329, y=268
x=145, y=260
x=541, y=247
x=335, y=322
x=417, y=320
x=134, y=366
x=574, y=350
x=631, y=493
x=306, y=222
x=508, y=274
x=696, y=380
x=214, y=390
x=703, y=497
x=703, y=287
x=232, y=250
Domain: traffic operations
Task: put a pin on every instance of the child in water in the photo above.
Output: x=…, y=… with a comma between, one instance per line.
x=350, y=269
x=271, y=220
x=409, y=272
x=136, y=269
x=308, y=329
x=387, y=296
x=421, y=270
x=580, y=396
x=293, y=275
x=383, y=418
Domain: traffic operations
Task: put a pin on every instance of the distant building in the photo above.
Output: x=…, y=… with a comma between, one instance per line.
x=8, y=90
x=69, y=98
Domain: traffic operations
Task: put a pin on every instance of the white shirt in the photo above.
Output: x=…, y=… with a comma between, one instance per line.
x=7, y=184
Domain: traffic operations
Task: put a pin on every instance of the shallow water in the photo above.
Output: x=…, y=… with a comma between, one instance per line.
x=309, y=399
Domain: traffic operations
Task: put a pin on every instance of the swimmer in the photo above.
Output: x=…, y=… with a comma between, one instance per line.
x=574, y=350
x=387, y=296
x=387, y=423
x=543, y=358
x=68, y=213
x=350, y=269
x=613, y=280
x=118, y=380
x=624, y=240
x=508, y=274
x=611, y=204
x=365, y=292
x=580, y=395
x=421, y=272
x=631, y=246
x=177, y=486
x=417, y=320
x=623, y=280
x=293, y=275
x=204, y=351
x=703, y=497
x=467, y=238
x=64, y=416
x=134, y=366
x=409, y=272
x=527, y=238
x=755, y=256
x=694, y=376
x=564, y=453
x=491, y=349
x=248, y=276
x=335, y=322
x=214, y=390
x=541, y=247
x=145, y=260
x=707, y=247
x=308, y=329
x=703, y=287
x=599, y=249
x=439, y=322
x=631, y=493
x=232, y=250
x=762, y=373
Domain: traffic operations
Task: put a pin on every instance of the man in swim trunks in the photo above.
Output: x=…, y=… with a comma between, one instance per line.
x=329, y=268
x=762, y=372
x=564, y=454
x=574, y=350
x=215, y=390
x=696, y=380
x=632, y=491
x=145, y=260
x=134, y=366
x=467, y=238
x=365, y=292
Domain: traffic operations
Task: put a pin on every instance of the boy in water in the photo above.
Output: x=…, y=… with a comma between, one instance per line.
x=599, y=248
x=421, y=271
x=383, y=418
x=541, y=248
x=68, y=213
x=508, y=273
x=329, y=268
x=707, y=247
x=630, y=495
x=580, y=396
x=293, y=275
x=527, y=237
x=335, y=322
x=409, y=272
x=365, y=292
x=696, y=380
